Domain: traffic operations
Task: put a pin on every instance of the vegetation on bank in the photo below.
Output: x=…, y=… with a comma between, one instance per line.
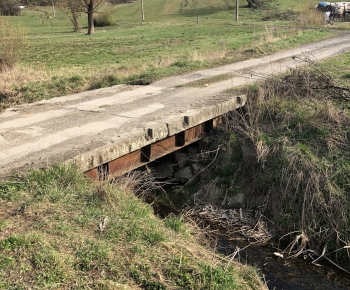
x=60, y=231
x=291, y=156
x=59, y=61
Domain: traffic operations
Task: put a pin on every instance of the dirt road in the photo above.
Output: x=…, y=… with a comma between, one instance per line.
x=98, y=125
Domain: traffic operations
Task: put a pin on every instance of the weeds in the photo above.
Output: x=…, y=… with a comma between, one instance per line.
x=309, y=16
x=298, y=139
x=12, y=44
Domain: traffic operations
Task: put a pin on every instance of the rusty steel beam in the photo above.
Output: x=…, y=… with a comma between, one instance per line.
x=163, y=147
x=124, y=164
x=92, y=174
x=149, y=153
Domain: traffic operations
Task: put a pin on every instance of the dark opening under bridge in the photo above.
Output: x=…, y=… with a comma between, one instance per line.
x=113, y=130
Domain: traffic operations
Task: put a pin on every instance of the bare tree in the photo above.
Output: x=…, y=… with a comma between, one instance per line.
x=90, y=7
x=38, y=4
x=73, y=10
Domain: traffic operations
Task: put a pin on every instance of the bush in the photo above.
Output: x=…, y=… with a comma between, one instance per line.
x=103, y=19
x=12, y=44
x=9, y=9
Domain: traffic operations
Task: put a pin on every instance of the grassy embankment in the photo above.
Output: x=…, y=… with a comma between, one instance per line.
x=60, y=231
x=291, y=158
x=58, y=61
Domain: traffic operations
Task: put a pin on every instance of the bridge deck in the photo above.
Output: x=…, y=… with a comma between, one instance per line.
x=95, y=127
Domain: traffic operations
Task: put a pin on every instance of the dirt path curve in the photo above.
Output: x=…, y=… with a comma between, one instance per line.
x=96, y=126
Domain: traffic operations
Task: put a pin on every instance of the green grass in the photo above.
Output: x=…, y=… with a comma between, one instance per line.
x=339, y=68
x=50, y=238
x=59, y=61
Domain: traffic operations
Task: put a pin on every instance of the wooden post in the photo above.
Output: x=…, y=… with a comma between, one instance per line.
x=237, y=4
x=143, y=11
x=54, y=11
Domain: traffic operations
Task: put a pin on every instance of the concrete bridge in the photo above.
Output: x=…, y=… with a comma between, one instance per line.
x=107, y=132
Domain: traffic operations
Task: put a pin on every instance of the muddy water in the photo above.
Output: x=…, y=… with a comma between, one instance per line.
x=287, y=274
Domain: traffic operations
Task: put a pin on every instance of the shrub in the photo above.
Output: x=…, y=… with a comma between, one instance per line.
x=103, y=19
x=12, y=44
x=9, y=9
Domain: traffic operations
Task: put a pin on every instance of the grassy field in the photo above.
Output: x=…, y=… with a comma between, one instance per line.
x=59, y=61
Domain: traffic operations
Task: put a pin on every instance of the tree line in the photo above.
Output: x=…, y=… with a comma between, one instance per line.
x=72, y=8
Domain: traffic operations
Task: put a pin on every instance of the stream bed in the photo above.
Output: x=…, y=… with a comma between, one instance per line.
x=286, y=274
x=278, y=273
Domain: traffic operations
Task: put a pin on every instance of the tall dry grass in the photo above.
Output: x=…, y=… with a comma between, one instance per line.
x=12, y=44
x=308, y=16
x=299, y=135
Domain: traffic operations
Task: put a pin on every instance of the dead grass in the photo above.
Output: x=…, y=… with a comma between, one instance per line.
x=274, y=33
x=309, y=16
x=12, y=43
x=214, y=54
x=299, y=131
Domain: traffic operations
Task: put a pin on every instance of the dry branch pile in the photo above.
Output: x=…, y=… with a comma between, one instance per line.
x=307, y=82
x=230, y=222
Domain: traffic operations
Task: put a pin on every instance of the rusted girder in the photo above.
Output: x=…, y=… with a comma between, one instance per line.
x=151, y=152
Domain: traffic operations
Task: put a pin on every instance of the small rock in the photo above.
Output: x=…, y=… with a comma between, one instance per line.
x=235, y=202
x=207, y=194
x=180, y=159
x=196, y=167
x=184, y=175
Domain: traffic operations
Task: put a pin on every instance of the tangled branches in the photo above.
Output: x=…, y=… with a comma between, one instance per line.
x=229, y=222
x=309, y=81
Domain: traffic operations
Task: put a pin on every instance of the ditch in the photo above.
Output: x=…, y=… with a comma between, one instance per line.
x=278, y=273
